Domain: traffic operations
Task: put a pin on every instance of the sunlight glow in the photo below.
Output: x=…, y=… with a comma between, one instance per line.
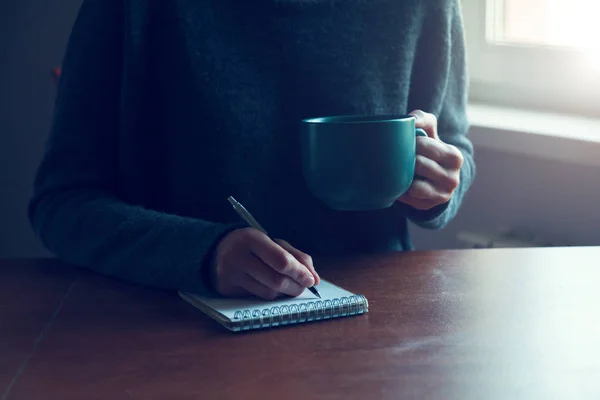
x=552, y=23
x=564, y=23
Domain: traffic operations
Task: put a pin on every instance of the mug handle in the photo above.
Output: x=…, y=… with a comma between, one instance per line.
x=420, y=132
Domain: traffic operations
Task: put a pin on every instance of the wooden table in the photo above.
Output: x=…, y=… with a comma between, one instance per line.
x=470, y=324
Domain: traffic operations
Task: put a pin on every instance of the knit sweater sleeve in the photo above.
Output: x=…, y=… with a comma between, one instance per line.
x=442, y=71
x=75, y=210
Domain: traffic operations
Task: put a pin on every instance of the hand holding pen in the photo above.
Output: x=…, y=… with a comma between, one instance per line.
x=248, y=261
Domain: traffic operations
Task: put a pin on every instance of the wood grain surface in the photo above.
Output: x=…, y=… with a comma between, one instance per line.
x=460, y=324
x=31, y=292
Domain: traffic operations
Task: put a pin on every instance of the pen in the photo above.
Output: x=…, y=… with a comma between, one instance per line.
x=246, y=216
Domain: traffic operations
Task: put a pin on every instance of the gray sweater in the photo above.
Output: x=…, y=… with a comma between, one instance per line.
x=166, y=108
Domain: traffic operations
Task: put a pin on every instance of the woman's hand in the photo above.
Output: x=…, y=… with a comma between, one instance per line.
x=247, y=261
x=437, y=167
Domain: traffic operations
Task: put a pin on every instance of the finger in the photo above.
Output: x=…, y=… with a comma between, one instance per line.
x=281, y=260
x=252, y=286
x=273, y=279
x=423, y=190
x=423, y=195
x=426, y=191
x=427, y=122
x=429, y=169
x=446, y=155
x=302, y=257
x=442, y=179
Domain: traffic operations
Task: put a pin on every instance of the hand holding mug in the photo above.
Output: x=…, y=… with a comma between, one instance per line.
x=437, y=167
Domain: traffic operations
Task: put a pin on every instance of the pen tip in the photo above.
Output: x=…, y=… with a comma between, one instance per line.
x=231, y=200
x=315, y=292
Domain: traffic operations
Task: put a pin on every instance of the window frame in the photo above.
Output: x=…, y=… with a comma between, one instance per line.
x=535, y=77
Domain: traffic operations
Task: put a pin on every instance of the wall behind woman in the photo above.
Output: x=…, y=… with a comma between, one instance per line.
x=33, y=35
x=554, y=200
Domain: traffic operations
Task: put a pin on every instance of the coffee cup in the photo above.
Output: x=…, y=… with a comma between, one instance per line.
x=359, y=162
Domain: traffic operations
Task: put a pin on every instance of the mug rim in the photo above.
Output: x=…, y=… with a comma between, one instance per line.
x=358, y=119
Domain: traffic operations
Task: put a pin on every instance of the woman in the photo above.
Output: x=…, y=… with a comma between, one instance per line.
x=165, y=109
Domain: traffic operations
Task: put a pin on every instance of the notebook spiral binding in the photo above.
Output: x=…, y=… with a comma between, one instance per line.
x=305, y=312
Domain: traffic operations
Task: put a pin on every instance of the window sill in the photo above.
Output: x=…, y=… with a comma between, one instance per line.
x=566, y=138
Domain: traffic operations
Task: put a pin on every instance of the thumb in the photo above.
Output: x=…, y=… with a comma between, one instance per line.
x=427, y=122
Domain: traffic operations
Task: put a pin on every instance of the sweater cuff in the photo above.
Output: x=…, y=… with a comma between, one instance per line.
x=434, y=218
x=199, y=270
x=428, y=215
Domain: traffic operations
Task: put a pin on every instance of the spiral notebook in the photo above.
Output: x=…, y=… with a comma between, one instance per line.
x=253, y=313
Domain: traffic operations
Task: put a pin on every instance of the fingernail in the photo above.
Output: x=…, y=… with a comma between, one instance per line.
x=309, y=281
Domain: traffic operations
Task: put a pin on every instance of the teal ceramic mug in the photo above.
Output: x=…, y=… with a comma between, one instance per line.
x=358, y=162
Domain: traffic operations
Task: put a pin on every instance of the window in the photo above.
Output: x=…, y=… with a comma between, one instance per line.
x=556, y=23
x=535, y=53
